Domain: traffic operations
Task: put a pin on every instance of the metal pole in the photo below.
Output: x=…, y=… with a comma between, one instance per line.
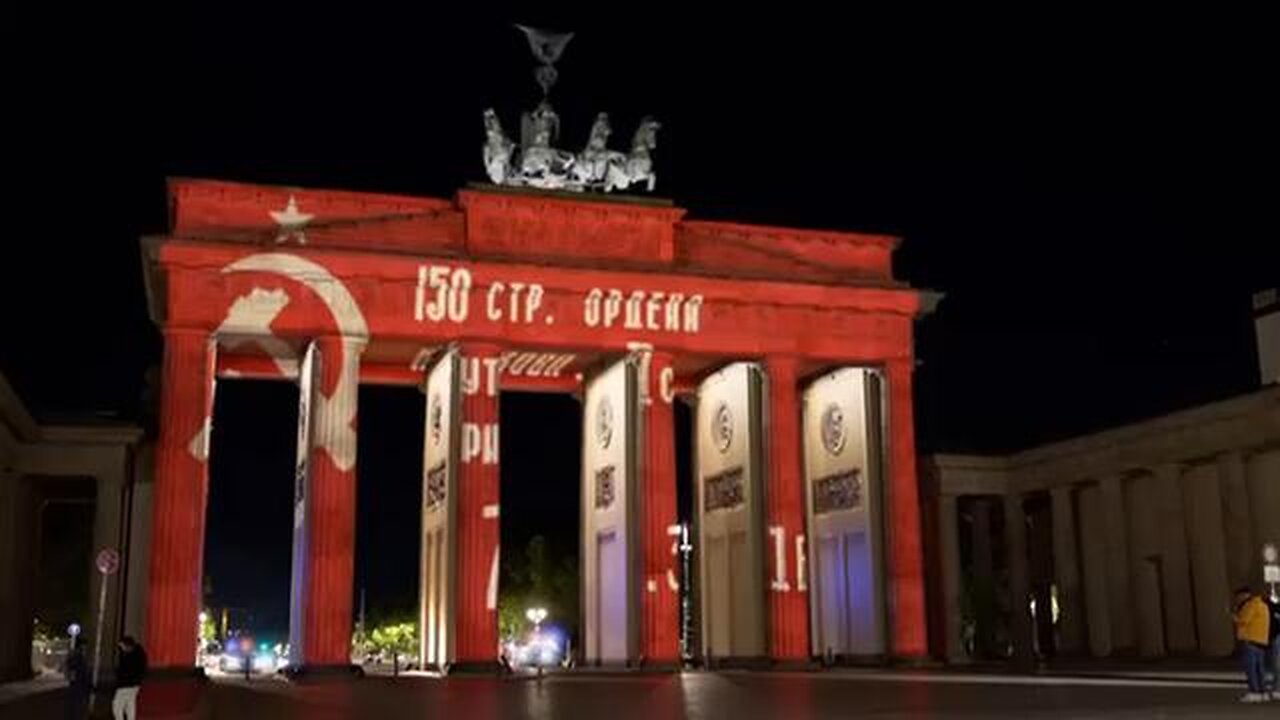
x=97, y=638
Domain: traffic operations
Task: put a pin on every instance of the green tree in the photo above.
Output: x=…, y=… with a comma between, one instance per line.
x=539, y=576
x=399, y=638
x=208, y=628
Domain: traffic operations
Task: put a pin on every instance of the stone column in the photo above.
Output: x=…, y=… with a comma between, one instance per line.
x=1093, y=557
x=179, y=498
x=1040, y=566
x=331, y=507
x=1066, y=570
x=1119, y=597
x=1146, y=565
x=1241, y=547
x=477, y=510
x=984, y=584
x=1263, y=472
x=1177, y=566
x=660, y=606
x=905, y=566
x=1202, y=492
x=108, y=513
x=949, y=547
x=135, y=613
x=1015, y=534
x=784, y=495
x=18, y=546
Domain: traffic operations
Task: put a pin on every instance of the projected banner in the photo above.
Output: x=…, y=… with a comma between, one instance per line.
x=609, y=518
x=730, y=506
x=440, y=446
x=308, y=381
x=842, y=480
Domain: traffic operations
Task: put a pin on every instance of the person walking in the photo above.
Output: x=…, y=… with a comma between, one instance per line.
x=131, y=666
x=1252, y=619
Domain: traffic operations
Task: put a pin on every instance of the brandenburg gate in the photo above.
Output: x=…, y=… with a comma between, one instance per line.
x=794, y=346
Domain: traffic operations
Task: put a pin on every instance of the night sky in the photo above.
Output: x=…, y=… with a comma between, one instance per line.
x=1094, y=194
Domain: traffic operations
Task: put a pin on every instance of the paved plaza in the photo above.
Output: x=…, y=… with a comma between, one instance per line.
x=739, y=696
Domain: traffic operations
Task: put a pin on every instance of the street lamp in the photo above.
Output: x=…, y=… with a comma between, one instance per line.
x=536, y=615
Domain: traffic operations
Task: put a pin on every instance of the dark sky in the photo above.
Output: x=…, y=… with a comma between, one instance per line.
x=1094, y=193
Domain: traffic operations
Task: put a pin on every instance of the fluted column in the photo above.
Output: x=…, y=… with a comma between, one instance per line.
x=1262, y=470
x=477, y=509
x=18, y=548
x=1176, y=567
x=180, y=496
x=1241, y=548
x=984, y=583
x=905, y=588
x=1202, y=495
x=949, y=555
x=1066, y=570
x=788, y=600
x=660, y=596
x=108, y=514
x=1095, y=570
x=1146, y=565
x=1118, y=596
x=1015, y=534
x=331, y=539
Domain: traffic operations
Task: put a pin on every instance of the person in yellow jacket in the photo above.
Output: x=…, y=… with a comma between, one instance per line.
x=1253, y=630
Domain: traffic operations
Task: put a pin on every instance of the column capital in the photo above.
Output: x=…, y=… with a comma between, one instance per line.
x=900, y=364
x=1111, y=481
x=1015, y=499
x=186, y=333
x=347, y=341
x=1059, y=491
x=1171, y=470
x=649, y=349
x=778, y=365
x=1232, y=455
x=480, y=348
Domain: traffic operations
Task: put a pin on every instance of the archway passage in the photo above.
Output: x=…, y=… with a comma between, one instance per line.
x=389, y=498
x=247, y=560
x=540, y=524
x=382, y=287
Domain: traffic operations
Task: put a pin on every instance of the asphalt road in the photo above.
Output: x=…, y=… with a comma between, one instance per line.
x=738, y=696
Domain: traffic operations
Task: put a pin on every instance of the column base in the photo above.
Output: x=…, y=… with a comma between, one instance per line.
x=845, y=660
x=169, y=692
x=923, y=662
x=659, y=666
x=738, y=663
x=477, y=667
x=796, y=665
x=181, y=672
x=308, y=673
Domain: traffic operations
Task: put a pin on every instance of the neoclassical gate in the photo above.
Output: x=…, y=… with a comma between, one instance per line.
x=623, y=300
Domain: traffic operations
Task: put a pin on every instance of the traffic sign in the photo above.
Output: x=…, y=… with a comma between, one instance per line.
x=108, y=561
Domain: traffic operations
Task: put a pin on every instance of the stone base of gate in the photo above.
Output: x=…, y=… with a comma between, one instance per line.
x=323, y=673
x=738, y=663
x=809, y=665
x=477, y=667
x=169, y=693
